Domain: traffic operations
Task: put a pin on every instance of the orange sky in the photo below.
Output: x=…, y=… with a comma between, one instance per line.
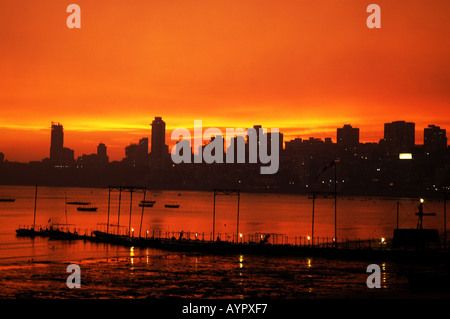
x=306, y=67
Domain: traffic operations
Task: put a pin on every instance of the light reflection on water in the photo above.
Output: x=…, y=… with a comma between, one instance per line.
x=154, y=273
x=114, y=271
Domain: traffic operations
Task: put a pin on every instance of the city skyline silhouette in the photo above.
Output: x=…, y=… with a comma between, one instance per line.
x=313, y=66
x=394, y=166
x=416, y=138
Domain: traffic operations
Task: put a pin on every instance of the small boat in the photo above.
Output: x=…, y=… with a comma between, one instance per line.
x=87, y=209
x=147, y=203
x=9, y=199
x=172, y=205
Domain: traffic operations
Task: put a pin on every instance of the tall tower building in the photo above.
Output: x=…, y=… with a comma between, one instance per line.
x=348, y=136
x=399, y=137
x=159, y=149
x=434, y=139
x=59, y=155
x=57, y=143
x=101, y=154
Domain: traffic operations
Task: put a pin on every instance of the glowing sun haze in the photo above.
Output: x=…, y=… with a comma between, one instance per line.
x=306, y=67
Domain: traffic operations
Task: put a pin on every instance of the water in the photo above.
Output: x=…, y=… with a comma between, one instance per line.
x=32, y=268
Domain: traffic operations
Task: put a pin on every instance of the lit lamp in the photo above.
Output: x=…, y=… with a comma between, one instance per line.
x=383, y=241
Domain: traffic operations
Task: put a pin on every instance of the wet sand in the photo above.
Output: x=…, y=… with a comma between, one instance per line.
x=167, y=275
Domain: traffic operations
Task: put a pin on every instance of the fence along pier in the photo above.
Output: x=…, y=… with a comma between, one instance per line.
x=258, y=243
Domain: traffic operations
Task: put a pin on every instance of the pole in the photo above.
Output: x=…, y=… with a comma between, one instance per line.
x=335, y=204
x=131, y=202
x=445, y=221
x=109, y=203
x=214, y=216
x=142, y=214
x=35, y=202
x=118, y=214
x=237, y=230
x=312, y=230
x=398, y=204
x=65, y=208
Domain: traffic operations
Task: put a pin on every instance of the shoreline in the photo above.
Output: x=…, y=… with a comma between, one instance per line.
x=432, y=196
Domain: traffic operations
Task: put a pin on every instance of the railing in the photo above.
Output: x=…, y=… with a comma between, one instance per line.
x=270, y=238
x=241, y=238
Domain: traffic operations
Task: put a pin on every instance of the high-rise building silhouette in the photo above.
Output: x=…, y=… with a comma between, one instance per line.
x=57, y=143
x=131, y=153
x=347, y=136
x=59, y=155
x=159, y=150
x=143, y=151
x=434, y=139
x=399, y=137
x=137, y=154
x=2, y=157
x=102, y=157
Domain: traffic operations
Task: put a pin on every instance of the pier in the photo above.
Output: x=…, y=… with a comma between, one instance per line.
x=236, y=243
x=279, y=245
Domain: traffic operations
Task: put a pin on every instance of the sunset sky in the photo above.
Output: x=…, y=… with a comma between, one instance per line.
x=306, y=67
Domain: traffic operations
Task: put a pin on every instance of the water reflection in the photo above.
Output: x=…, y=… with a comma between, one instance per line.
x=186, y=275
x=132, y=253
x=153, y=273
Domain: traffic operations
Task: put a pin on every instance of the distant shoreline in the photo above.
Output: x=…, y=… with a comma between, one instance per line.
x=438, y=197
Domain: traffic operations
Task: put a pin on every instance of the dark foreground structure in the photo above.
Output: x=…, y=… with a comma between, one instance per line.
x=343, y=251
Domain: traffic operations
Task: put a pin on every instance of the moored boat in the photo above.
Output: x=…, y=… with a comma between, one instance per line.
x=147, y=203
x=87, y=209
x=7, y=199
x=172, y=205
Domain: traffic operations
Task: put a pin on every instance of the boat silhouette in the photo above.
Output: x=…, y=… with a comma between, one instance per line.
x=147, y=203
x=87, y=209
x=7, y=199
x=172, y=205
